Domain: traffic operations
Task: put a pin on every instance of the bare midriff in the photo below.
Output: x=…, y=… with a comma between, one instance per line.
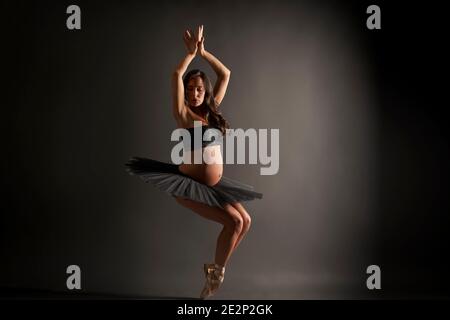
x=210, y=167
x=210, y=170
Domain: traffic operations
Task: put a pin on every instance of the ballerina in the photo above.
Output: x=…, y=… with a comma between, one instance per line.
x=201, y=187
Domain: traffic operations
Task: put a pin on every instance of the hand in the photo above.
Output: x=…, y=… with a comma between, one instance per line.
x=201, y=41
x=190, y=42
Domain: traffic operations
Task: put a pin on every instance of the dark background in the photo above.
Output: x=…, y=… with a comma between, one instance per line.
x=77, y=104
x=413, y=149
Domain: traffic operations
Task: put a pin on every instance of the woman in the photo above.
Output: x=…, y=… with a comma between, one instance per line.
x=201, y=186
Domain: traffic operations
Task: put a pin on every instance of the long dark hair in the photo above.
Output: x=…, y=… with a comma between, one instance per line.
x=208, y=108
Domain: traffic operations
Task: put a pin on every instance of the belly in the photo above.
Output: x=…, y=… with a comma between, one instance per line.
x=210, y=170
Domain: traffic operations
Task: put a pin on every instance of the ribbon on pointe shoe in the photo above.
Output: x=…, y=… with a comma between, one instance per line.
x=214, y=278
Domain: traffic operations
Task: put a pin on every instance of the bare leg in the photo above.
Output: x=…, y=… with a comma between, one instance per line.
x=246, y=222
x=232, y=223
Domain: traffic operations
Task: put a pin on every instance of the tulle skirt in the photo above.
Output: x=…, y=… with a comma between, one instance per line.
x=168, y=178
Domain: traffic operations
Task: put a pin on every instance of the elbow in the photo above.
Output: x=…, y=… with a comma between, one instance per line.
x=177, y=73
x=225, y=73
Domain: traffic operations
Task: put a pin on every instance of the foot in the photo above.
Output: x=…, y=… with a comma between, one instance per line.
x=215, y=274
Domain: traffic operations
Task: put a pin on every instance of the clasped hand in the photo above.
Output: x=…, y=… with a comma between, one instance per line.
x=195, y=42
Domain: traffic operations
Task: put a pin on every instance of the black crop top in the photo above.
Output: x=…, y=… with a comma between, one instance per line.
x=209, y=138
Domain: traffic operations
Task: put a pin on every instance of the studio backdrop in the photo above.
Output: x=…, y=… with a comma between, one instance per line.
x=358, y=184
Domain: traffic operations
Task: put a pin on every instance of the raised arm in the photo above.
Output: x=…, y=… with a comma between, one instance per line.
x=222, y=72
x=223, y=76
x=179, y=107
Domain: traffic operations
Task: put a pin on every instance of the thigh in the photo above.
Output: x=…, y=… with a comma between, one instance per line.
x=223, y=216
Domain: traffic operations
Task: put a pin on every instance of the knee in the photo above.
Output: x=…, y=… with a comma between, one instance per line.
x=237, y=224
x=247, y=220
x=234, y=222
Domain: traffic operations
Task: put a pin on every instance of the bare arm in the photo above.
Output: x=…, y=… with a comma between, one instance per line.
x=179, y=108
x=178, y=86
x=223, y=75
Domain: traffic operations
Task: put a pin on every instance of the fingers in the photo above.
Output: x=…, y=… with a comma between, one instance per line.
x=189, y=34
x=200, y=33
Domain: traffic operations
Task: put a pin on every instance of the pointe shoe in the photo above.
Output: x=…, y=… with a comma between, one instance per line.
x=215, y=274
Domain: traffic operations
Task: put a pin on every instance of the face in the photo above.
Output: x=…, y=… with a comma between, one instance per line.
x=195, y=91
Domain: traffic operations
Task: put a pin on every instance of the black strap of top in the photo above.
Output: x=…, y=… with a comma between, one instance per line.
x=204, y=143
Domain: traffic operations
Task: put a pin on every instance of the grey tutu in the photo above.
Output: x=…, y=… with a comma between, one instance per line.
x=167, y=177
